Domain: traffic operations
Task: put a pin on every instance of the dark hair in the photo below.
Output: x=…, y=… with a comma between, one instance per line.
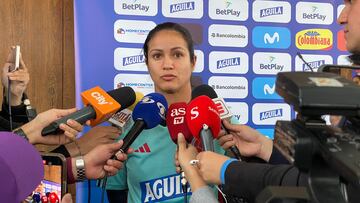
x=175, y=27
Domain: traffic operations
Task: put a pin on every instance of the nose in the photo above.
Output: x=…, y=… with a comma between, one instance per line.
x=342, y=19
x=168, y=63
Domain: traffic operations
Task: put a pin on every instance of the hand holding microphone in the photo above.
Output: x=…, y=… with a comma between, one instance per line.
x=222, y=109
x=100, y=105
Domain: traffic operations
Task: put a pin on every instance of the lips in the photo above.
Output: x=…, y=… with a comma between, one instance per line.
x=168, y=77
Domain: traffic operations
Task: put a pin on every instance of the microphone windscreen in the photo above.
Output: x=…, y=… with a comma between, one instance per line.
x=151, y=109
x=176, y=123
x=125, y=96
x=21, y=168
x=202, y=110
x=203, y=90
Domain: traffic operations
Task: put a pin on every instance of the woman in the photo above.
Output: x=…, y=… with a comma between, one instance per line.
x=151, y=176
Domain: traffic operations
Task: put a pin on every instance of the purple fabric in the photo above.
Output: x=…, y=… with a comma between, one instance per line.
x=21, y=168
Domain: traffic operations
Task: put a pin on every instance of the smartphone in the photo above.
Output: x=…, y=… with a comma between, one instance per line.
x=54, y=184
x=17, y=59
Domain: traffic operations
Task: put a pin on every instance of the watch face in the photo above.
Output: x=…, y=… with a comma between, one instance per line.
x=80, y=163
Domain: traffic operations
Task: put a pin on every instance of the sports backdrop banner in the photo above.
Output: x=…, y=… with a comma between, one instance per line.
x=240, y=45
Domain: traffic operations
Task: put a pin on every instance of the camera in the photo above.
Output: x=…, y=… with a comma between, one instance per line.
x=330, y=155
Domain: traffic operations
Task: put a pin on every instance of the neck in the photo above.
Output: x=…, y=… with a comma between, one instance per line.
x=183, y=95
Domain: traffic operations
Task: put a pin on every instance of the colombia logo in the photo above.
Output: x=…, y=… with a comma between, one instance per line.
x=314, y=39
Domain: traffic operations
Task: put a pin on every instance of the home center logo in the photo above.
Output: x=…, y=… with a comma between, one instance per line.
x=314, y=39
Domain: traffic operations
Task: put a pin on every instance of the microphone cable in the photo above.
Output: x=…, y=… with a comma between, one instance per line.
x=303, y=60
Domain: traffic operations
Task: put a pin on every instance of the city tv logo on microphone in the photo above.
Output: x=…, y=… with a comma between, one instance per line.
x=182, y=9
x=264, y=88
x=138, y=8
x=271, y=11
x=228, y=62
x=271, y=37
x=100, y=98
x=314, y=13
x=314, y=39
x=271, y=63
x=236, y=10
x=269, y=113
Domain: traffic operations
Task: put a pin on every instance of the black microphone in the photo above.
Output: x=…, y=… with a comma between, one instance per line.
x=100, y=105
x=210, y=92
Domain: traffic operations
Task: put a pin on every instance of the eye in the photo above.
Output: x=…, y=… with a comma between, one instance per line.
x=156, y=56
x=178, y=54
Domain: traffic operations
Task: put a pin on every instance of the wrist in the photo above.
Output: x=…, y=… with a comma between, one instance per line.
x=266, y=149
x=29, y=132
x=73, y=149
x=15, y=99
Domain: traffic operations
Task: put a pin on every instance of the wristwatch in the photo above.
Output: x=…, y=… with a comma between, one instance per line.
x=21, y=133
x=80, y=168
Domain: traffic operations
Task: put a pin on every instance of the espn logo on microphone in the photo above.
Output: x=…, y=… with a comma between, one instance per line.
x=178, y=115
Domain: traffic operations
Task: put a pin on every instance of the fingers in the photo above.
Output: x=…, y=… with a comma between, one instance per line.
x=231, y=127
x=181, y=142
x=63, y=112
x=113, y=166
x=69, y=131
x=75, y=125
x=226, y=141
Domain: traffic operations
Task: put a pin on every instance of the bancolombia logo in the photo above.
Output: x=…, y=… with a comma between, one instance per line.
x=314, y=39
x=229, y=87
x=228, y=35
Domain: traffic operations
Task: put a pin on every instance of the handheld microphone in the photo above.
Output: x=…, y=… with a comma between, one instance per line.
x=221, y=107
x=122, y=119
x=175, y=121
x=99, y=106
x=203, y=121
x=147, y=114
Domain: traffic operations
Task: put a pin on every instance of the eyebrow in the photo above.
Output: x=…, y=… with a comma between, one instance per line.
x=172, y=49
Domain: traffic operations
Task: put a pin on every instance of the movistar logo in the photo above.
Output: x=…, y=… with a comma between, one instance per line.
x=268, y=89
x=271, y=39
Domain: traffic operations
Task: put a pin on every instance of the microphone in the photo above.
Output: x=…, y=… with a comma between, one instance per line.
x=175, y=121
x=147, y=114
x=122, y=119
x=221, y=107
x=99, y=106
x=203, y=121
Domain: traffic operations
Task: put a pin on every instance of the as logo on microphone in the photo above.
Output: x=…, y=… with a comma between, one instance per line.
x=178, y=115
x=194, y=113
x=100, y=98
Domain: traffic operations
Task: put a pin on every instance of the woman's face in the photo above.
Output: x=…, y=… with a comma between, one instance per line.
x=169, y=62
